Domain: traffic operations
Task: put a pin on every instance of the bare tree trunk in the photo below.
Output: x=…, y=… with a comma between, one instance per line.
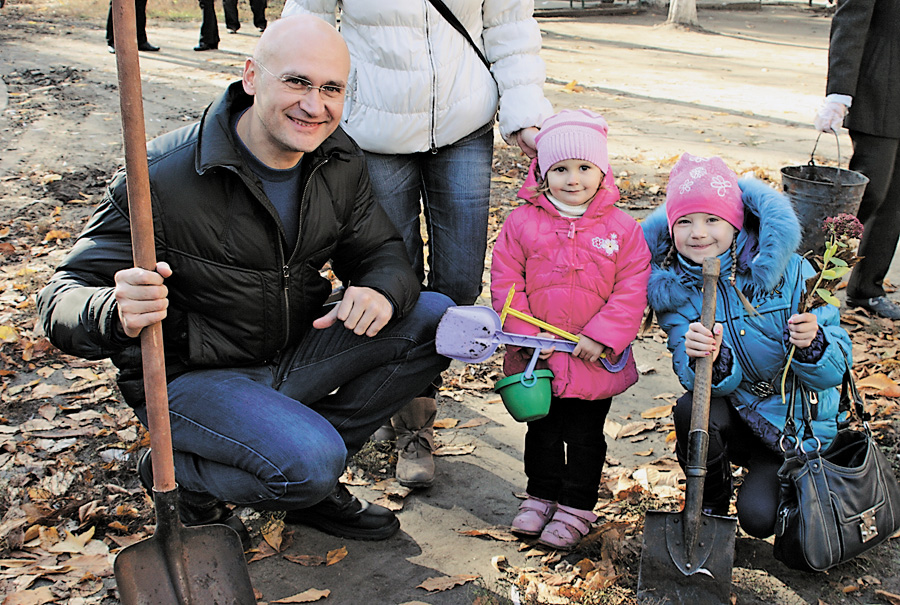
x=683, y=12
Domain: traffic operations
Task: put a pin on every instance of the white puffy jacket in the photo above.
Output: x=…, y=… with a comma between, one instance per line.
x=416, y=84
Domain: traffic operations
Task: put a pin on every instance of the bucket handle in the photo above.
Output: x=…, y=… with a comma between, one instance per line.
x=837, y=140
x=837, y=176
x=528, y=378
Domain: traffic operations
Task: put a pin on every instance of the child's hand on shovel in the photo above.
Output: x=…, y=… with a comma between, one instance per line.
x=700, y=342
x=546, y=353
x=588, y=350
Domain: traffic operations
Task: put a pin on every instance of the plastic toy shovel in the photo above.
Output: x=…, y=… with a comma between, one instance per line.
x=687, y=557
x=473, y=333
x=177, y=565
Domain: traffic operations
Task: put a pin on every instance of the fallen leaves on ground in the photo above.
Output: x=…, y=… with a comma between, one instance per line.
x=307, y=596
x=446, y=583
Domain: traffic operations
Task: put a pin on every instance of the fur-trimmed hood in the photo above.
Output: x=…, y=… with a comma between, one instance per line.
x=771, y=234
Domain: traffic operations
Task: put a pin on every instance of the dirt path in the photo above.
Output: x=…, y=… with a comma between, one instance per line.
x=746, y=90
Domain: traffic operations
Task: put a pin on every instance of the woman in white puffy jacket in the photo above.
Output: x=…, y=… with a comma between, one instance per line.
x=421, y=104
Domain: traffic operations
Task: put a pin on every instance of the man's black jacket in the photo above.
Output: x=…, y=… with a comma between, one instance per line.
x=237, y=295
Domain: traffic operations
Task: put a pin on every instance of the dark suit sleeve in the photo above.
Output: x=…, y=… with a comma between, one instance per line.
x=849, y=29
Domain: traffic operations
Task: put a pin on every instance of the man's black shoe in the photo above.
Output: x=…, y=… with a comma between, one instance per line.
x=880, y=305
x=196, y=508
x=205, y=46
x=147, y=47
x=344, y=515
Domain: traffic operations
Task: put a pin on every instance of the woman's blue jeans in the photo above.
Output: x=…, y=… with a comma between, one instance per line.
x=453, y=185
x=277, y=436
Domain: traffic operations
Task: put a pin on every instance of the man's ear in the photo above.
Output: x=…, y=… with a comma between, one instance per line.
x=248, y=78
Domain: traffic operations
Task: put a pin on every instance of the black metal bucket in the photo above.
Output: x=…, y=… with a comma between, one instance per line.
x=818, y=192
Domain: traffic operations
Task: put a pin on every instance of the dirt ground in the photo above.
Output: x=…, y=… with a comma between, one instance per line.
x=746, y=89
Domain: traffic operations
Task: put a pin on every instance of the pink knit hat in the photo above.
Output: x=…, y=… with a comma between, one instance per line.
x=703, y=185
x=572, y=134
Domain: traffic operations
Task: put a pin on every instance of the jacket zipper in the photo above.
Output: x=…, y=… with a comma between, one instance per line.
x=433, y=118
x=285, y=266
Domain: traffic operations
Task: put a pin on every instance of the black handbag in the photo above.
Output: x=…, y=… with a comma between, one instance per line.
x=837, y=503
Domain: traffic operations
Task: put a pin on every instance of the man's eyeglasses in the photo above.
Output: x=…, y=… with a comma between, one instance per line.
x=304, y=86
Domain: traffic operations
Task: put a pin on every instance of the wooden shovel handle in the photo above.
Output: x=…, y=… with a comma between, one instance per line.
x=704, y=365
x=142, y=240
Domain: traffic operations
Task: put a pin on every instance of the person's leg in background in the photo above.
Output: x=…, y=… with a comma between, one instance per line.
x=209, y=27
x=258, y=8
x=879, y=159
x=397, y=185
x=140, y=16
x=232, y=19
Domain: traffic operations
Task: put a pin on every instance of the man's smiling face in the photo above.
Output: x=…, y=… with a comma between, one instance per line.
x=284, y=123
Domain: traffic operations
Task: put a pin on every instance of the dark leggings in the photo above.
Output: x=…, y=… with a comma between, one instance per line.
x=565, y=452
x=732, y=442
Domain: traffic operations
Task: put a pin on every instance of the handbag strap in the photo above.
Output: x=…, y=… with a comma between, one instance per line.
x=851, y=401
x=801, y=392
x=448, y=15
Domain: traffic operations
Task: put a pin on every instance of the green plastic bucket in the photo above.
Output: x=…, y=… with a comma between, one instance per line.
x=526, y=399
x=819, y=192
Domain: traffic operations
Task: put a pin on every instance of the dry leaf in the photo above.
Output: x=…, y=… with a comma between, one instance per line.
x=662, y=411
x=307, y=596
x=445, y=423
x=612, y=428
x=272, y=533
x=468, y=424
x=445, y=583
x=634, y=428
x=455, y=450
x=893, y=599
x=336, y=555
x=645, y=453
x=306, y=560
x=882, y=383
x=497, y=533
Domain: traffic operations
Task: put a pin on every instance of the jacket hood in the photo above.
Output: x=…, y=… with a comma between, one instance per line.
x=607, y=196
x=216, y=145
x=771, y=234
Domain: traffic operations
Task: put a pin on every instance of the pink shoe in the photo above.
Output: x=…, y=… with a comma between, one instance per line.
x=533, y=516
x=567, y=527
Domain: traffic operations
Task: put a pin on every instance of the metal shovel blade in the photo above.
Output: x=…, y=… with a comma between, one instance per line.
x=665, y=576
x=183, y=565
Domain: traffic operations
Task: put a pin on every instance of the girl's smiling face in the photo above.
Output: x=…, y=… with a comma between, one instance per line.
x=699, y=235
x=574, y=182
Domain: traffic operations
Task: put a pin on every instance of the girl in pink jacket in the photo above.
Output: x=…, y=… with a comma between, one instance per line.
x=580, y=264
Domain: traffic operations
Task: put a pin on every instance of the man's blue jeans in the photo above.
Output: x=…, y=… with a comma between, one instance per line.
x=454, y=186
x=277, y=436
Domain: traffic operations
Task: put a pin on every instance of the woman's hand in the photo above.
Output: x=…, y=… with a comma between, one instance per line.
x=700, y=342
x=588, y=350
x=802, y=329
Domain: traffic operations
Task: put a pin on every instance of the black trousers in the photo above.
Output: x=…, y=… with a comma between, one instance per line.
x=233, y=20
x=140, y=17
x=732, y=442
x=209, y=27
x=879, y=159
x=565, y=452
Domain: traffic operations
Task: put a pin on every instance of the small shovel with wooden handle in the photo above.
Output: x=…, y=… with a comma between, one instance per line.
x=687, y=557
x=177, y=565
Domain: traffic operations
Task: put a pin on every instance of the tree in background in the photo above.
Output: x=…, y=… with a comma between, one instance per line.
x=683, y=12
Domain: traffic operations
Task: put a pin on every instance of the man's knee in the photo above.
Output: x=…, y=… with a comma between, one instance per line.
x=428, y=312
x=313, y=478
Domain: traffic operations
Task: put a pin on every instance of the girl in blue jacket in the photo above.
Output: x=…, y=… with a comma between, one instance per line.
x=753, y=231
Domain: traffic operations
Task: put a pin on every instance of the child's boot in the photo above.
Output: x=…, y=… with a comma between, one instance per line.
x=567, y=527
x=533, y=515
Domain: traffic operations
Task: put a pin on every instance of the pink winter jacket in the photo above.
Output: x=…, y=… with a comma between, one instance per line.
x=586, y=275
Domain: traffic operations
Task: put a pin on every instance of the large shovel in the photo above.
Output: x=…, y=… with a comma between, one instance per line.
x=687, y=557
x=177, y=565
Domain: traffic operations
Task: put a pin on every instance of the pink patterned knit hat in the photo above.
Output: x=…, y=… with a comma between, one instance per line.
x=572, y=134
x=703, y=185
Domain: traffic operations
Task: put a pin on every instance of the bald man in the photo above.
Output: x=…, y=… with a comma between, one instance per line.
x=269, y=389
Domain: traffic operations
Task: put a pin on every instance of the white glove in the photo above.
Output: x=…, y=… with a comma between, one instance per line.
x=831, y=115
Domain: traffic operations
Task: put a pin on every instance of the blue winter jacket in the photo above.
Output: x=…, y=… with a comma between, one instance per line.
x=772, y=277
